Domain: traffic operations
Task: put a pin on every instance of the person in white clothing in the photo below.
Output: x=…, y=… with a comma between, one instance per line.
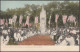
x=78, y=39
x=63, y=43
x=53, y=33
x=15, y=37
x=6, y=40
x=2, y=40
x=19, y=36
x=70, y=39
x=60, y=38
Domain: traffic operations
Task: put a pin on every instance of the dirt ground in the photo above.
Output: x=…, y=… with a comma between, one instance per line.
x=38, y=40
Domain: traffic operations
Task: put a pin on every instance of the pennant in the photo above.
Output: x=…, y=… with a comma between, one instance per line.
x=56, y=17
x=36, y=19
x=14, y=18
x=49, y=20
x=6, y=23
x=10, y=21
x=2, y=21
x=27, y=20
x=20, y=19
x=71, y=18
x=64, y=18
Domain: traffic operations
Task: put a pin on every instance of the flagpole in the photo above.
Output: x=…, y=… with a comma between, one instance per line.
x=56, y=26
x=56, y=20
x=50, y=24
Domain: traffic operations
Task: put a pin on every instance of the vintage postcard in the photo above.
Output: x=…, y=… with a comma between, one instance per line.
x=39, y=25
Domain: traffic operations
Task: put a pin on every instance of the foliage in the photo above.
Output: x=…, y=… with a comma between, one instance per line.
x=51, y=8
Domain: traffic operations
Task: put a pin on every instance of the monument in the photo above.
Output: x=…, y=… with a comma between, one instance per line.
x=43, y=21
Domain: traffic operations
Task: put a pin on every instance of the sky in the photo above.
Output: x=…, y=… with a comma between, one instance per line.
x=19, y=4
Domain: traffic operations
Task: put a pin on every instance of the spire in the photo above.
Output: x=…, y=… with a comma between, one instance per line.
x=42, y=8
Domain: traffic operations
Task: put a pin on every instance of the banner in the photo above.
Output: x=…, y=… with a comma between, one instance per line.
x=49, y=20
x=6, y=23
x=36, y=19
x=14, y=18
x=10, y=21
x=71, y=18
x=56, y=17
x=27, y=20
x=64, y=18
x=2, y=21
x=20, y=19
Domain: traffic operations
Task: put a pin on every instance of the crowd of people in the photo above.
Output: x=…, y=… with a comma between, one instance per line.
x=62, y=36
x=66, y=36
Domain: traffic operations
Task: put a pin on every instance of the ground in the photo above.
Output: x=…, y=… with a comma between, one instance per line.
x=38, y=40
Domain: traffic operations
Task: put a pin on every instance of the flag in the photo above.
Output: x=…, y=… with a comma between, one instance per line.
x=27, y=20
x=64, y=18
x=56, y=17
x=10, y=21
x=6, y=23
x=2, y=21
x=36, y=19
x=20, y=19
x=14, y=18
x=71, y=18
x=49, y=20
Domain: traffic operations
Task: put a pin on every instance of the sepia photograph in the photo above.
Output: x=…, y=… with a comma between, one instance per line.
x=39, y=23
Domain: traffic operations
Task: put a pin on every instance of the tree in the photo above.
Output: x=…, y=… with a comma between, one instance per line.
x=52, y=8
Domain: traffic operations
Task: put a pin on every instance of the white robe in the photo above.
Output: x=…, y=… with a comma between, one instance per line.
x=52, y=35
x=19, y=36
x=63, y=43
x=70, y=40
x=6, y=40
x=78, y=39
x=2, y=40
x=59, y=40
x=15, y=37
x=5, y=32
